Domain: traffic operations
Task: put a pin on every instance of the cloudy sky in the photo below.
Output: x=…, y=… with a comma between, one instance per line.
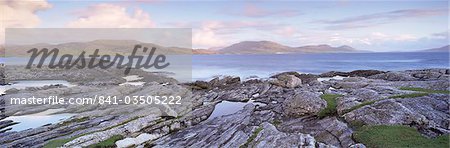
x=376, y=26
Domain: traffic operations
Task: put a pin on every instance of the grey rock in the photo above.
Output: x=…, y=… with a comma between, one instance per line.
x=213, y=133
x=130, y=127
x=130, y=142
x=429, y=74
x=355, y=73
x=358, y=145
x=329, y=130
x=364, y=73
x=350, y=83
x=221, y=83
x=356, y=97
x=393, y=76
x=334, y=73
x=269, y=136
x=225, y=81
x=429, y=113
x=235, y=130
x=5, y=125
x=303, y=103
x=288, y=81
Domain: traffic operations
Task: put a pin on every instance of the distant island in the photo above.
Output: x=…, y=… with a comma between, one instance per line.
x=440, y=49
x=244, y=47
x=269, y=47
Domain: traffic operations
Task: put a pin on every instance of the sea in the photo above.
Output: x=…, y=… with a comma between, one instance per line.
x=205, y=67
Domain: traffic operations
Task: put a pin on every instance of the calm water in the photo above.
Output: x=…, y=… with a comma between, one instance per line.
x=38, y=119
x=227, y=107
x=206, y=66
x=33, y=83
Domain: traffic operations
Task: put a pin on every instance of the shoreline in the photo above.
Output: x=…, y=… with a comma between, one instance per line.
x=292, y=100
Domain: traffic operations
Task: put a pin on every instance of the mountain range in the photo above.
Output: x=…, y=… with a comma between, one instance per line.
x=107, y=47
x=440, y=49
x=246, y=47
x=268, y=47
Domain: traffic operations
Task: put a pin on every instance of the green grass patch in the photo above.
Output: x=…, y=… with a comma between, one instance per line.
x=413, y=95
x=330, y=110
x=276, y=122
x=108, y=143
x=359, y=106
x=425, y=90
x=58, y=142
x=252, y=137
x=393, y=136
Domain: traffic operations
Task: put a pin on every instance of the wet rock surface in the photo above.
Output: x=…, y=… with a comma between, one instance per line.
x=281, y=111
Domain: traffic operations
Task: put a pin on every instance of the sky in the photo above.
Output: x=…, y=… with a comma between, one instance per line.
x=366, y=25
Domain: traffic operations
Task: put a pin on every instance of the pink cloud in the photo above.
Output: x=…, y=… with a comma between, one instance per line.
x=206, y=35
x=111, y=16
x=20, y=14
x=251, y=10
x=287, y=31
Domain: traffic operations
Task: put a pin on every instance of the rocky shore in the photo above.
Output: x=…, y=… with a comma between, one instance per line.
x=289, y=109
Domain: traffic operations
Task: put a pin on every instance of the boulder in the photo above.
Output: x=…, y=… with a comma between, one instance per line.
x=286, y=73
x=130, y=142
x=199, y=85
x=328, y=130
x=288, y=81
x=356, y=97
x=355, y=73
x=227, y=80
x=364, y=73
x=349, y=85
x=429, y=113
x=309, y=79
x=393, y=76
x=384, y=112
x=303, y=103
x=429, y=74
x=334, y=73
x=269, y=136
x=345, y=103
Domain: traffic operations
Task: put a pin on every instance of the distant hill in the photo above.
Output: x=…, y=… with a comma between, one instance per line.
x=440, y=49
x=203, y=51
x=255, y=47
x=268, y=47
x=327, y=49
x=124, y=47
